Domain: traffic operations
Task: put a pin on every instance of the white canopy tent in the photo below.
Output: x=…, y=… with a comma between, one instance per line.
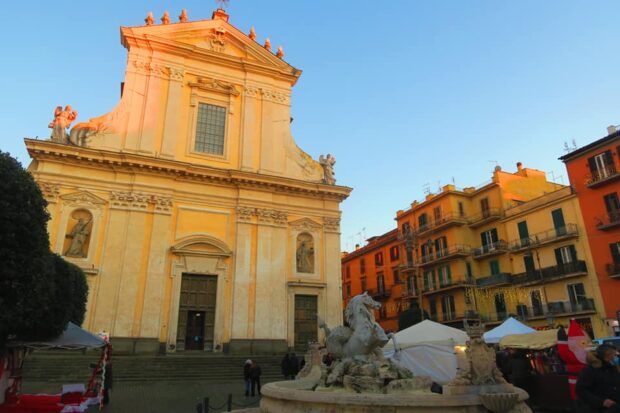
x=508, y=327
x=427, y=349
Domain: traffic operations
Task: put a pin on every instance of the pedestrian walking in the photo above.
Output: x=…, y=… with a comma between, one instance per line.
x=598, y=385
x=246, y=376
x=294, y=365
x=285, y=367
x=255, y=373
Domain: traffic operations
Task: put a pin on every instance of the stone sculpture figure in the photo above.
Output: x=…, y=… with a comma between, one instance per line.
x=78, y=235
x=363, y=339
x=328, y=162
x=62, y=120
x=305, y=257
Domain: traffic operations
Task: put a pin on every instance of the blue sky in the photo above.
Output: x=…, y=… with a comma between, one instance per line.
x=405, y=94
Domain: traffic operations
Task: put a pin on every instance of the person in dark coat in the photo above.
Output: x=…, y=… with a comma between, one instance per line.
x=255, y=373
x=520, y=369
x=294, y=365
x=246, y=376
x=285, y=367
x=598, y=385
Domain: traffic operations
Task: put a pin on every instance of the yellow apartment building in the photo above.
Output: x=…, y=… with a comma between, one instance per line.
x=457, y=244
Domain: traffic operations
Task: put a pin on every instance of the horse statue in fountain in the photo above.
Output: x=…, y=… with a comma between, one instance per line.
x=363, y=339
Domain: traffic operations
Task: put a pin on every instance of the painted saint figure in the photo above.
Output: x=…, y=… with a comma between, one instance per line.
x=62, y=120
x=305, y=258
x=328, y=162
x=78, y=236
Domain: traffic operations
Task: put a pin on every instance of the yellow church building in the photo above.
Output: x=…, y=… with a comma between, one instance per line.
x=199, y=222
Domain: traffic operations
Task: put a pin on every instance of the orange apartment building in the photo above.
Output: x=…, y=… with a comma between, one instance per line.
x=594, y=173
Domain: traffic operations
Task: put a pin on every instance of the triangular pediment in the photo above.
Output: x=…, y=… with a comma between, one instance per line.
x=83, y=197
x=305, y=224
x=209, y=36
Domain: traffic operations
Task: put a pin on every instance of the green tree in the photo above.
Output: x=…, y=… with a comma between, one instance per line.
x=32, y=286
x=411, y=316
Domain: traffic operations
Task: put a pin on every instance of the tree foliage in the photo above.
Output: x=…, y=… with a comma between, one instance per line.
x=34, y=284
x=411, y=316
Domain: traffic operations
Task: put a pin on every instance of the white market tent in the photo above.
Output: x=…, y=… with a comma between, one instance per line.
x=427, y=349
x=508, y=327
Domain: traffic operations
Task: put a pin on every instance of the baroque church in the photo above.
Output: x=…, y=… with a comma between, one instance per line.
x=199, y=222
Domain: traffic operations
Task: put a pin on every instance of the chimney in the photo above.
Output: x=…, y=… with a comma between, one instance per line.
x=357, y=246
x=519, y=166
x=219, y=14
x=611, y=129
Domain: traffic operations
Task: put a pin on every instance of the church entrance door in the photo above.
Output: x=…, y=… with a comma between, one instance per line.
x=306, y=327
x=197, y=312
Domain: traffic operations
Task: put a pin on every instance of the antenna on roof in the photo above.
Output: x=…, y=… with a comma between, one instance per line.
x=222, y=3
x=427, y=188
x=569, y=148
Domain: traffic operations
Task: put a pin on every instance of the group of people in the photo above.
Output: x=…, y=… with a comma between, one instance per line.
x=251, y=375
x=290, y=366
x=598, y=385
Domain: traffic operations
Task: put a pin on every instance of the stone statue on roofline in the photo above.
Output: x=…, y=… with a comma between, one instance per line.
x=328, y=162
x=62, y=120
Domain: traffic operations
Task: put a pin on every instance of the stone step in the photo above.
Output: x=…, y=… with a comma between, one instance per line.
x=74, y=367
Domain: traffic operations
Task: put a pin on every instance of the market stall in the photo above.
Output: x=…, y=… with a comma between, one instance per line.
x=508, y=327
x=73, y=397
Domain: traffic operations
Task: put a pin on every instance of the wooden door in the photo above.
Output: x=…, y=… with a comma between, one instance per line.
x=197, y=312
x=306, y=327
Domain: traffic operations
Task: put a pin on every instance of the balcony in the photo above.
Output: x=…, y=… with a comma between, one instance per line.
x=496, y=248
x=408, y=293
x=608, y=221
x=451, y=252
x=613, y=270
x=454, y=285
x=485, y=217
x=571, y=269
x=380, y=293
x=545, y=237
x=445, y=221
x=602, y=176
x=551, y=309
x=494, y=280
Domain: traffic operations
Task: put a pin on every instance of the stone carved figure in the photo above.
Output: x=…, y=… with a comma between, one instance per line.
x=82, y=131
x=328, y=162
x=305, y=253
x=62, y=120
x=79, y=234
x=363, y=339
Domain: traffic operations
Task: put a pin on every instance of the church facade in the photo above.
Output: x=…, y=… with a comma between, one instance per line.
x=199, y=222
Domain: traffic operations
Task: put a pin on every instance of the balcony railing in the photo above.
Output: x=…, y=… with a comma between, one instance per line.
x=545, y=237
x=380, y=293
x=485, y=216
x=456, y=250
x=447, y=286
x=446, y=220
x=408, y=292
x=495, y=280
x=551, y=309
x=495, y=248
x=569, y=269
x=613, y=269
x=609, y=220
x=606, y=174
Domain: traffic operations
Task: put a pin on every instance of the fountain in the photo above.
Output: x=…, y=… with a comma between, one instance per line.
x=362, y=380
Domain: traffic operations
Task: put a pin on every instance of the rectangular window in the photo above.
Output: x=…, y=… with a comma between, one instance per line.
x=576, y=293
x=394, y=253
x=494, y=265
x=537, y=304
x=484, y=207
x=441, y=246
x=470, y=274
x=524, y=234
x=348, y=271
x=445, y=276
x=362, y=266
x=600, y=165
x=210, y=127
x=422, y=222
x=379, y=259
x=558, y=222
x=612, y=204
x=528, y=261
x=411, y=285
x=363, y=284
x=433, y=308
x=461, y=210
x=447, y=307
x=615, y=252
x=348, y=289
x=565, y=255
x=380, y=283
x=396, y=275
x=437, y=214
x=500, y=305
x=406, y=228
x=489, y=238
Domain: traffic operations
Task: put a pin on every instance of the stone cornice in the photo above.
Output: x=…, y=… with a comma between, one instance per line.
x=102, y=159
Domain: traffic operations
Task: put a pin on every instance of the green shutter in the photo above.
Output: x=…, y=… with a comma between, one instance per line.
x=528, y=260
x=558, y=221
x=494, y=236
x=448, y=275
x=573, y=253
x=494, y=267
x=558, y=256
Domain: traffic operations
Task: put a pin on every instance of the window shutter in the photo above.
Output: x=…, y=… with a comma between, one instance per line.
x=443, y=305
x=573, y=253
x=592, y=165
x=483, y=238
x=449, y=275
x=494, y=236
x=558, y=256
x=608, y=159
x=523, y=231
x=615, y=252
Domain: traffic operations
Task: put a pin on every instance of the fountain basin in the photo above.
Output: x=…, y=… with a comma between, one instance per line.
x=284, y=397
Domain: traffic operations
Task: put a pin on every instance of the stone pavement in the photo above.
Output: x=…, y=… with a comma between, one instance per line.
x=163, y=397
